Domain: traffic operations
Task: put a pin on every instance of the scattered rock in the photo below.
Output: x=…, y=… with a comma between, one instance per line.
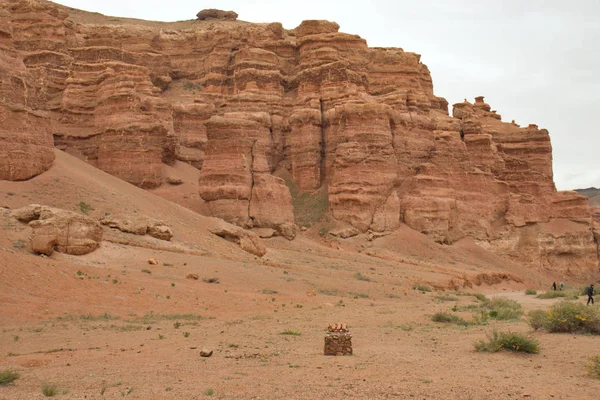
x=152, y=261
x=206, y=353
x=213, y=13
x=344, y=233
x=303, y=229
x=287, y=230
x=247, y=240
x=160, y=231
x=193, y=276
x=264, y=233
x=139, y=226
x=174, y=181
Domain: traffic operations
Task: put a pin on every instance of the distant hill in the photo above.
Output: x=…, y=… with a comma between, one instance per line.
x=592, y=194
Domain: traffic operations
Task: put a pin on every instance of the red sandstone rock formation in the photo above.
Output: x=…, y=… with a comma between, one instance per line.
x=25, y=142
x=249, y=103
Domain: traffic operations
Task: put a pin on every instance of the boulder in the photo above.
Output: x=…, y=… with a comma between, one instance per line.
x=160, y=231
x=64, y=231
x=213, y=13
x=344, y=233
x=247, y=240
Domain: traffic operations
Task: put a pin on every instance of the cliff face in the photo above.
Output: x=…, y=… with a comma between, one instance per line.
x=26, y=148
x=248, y=104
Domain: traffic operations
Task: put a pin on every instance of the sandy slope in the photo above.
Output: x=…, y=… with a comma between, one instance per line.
x=109, y=325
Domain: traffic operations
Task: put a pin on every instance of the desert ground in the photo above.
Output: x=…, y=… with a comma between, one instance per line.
x=110, y=325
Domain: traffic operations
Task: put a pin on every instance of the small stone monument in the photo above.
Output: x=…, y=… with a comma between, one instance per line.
x=338, y=340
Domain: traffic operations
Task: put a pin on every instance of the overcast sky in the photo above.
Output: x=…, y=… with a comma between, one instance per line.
x=535, y=61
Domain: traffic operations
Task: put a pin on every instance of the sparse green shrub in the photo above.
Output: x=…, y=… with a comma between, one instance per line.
x=446, y=297
x=421, y=288
x=594, y=367
x=146, y=271
x=502, y=308
x=51, y=390
x=186, y=334
x=85, y=207
x=290, y=332
x=176, y=325
x=309, y=208
x=551, y=295
x=449, y=318
x=537, y=319
x=530, y=292
x=568, y=317
x=209, y=392
x=8, y=376
x=269, y=291
x=508, y=341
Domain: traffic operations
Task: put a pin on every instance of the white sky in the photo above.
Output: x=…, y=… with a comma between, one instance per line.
x=535, y=61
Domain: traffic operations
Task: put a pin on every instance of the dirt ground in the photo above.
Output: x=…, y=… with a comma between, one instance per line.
x=110, y=325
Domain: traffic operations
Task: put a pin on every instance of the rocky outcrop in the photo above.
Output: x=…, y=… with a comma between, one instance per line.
x=213, y=13
x=60, y=230
x=249, y=103
x=139, y=226
x=248, y=241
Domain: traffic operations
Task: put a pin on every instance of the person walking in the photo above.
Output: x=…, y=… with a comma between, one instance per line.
x=562, y=285
x=554, y=286
x=590, y=293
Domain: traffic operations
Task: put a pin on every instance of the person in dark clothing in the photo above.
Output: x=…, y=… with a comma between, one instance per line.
x=554, y=286
x=590, y=293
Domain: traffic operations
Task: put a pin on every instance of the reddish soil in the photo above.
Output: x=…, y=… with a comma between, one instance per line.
x=110, y=325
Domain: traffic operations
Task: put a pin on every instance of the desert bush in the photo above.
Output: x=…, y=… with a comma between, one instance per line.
x=571, y=294
x=421, y=288
x=446, y=297
x=502, y=308
x=568, y=317
x=537, y=319
x=449, y=318
x=210, y=280
x=551, y=295
x=51, y=390
x=530, y=292
x=594, y=367
x=85, y=207
x=8, y=376
x=290, y=332
x=508, y=341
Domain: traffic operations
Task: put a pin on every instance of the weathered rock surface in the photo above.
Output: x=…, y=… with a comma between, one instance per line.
x=243, y=102
x=60, y=230
x=139, y=226
x=247, y=240
x=26, y=143
x=213, y=13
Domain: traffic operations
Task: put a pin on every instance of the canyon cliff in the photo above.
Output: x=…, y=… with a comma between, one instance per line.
x=269, y=115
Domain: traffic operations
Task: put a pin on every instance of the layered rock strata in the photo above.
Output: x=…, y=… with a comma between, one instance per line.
x=26, y=148
x=248, y=103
